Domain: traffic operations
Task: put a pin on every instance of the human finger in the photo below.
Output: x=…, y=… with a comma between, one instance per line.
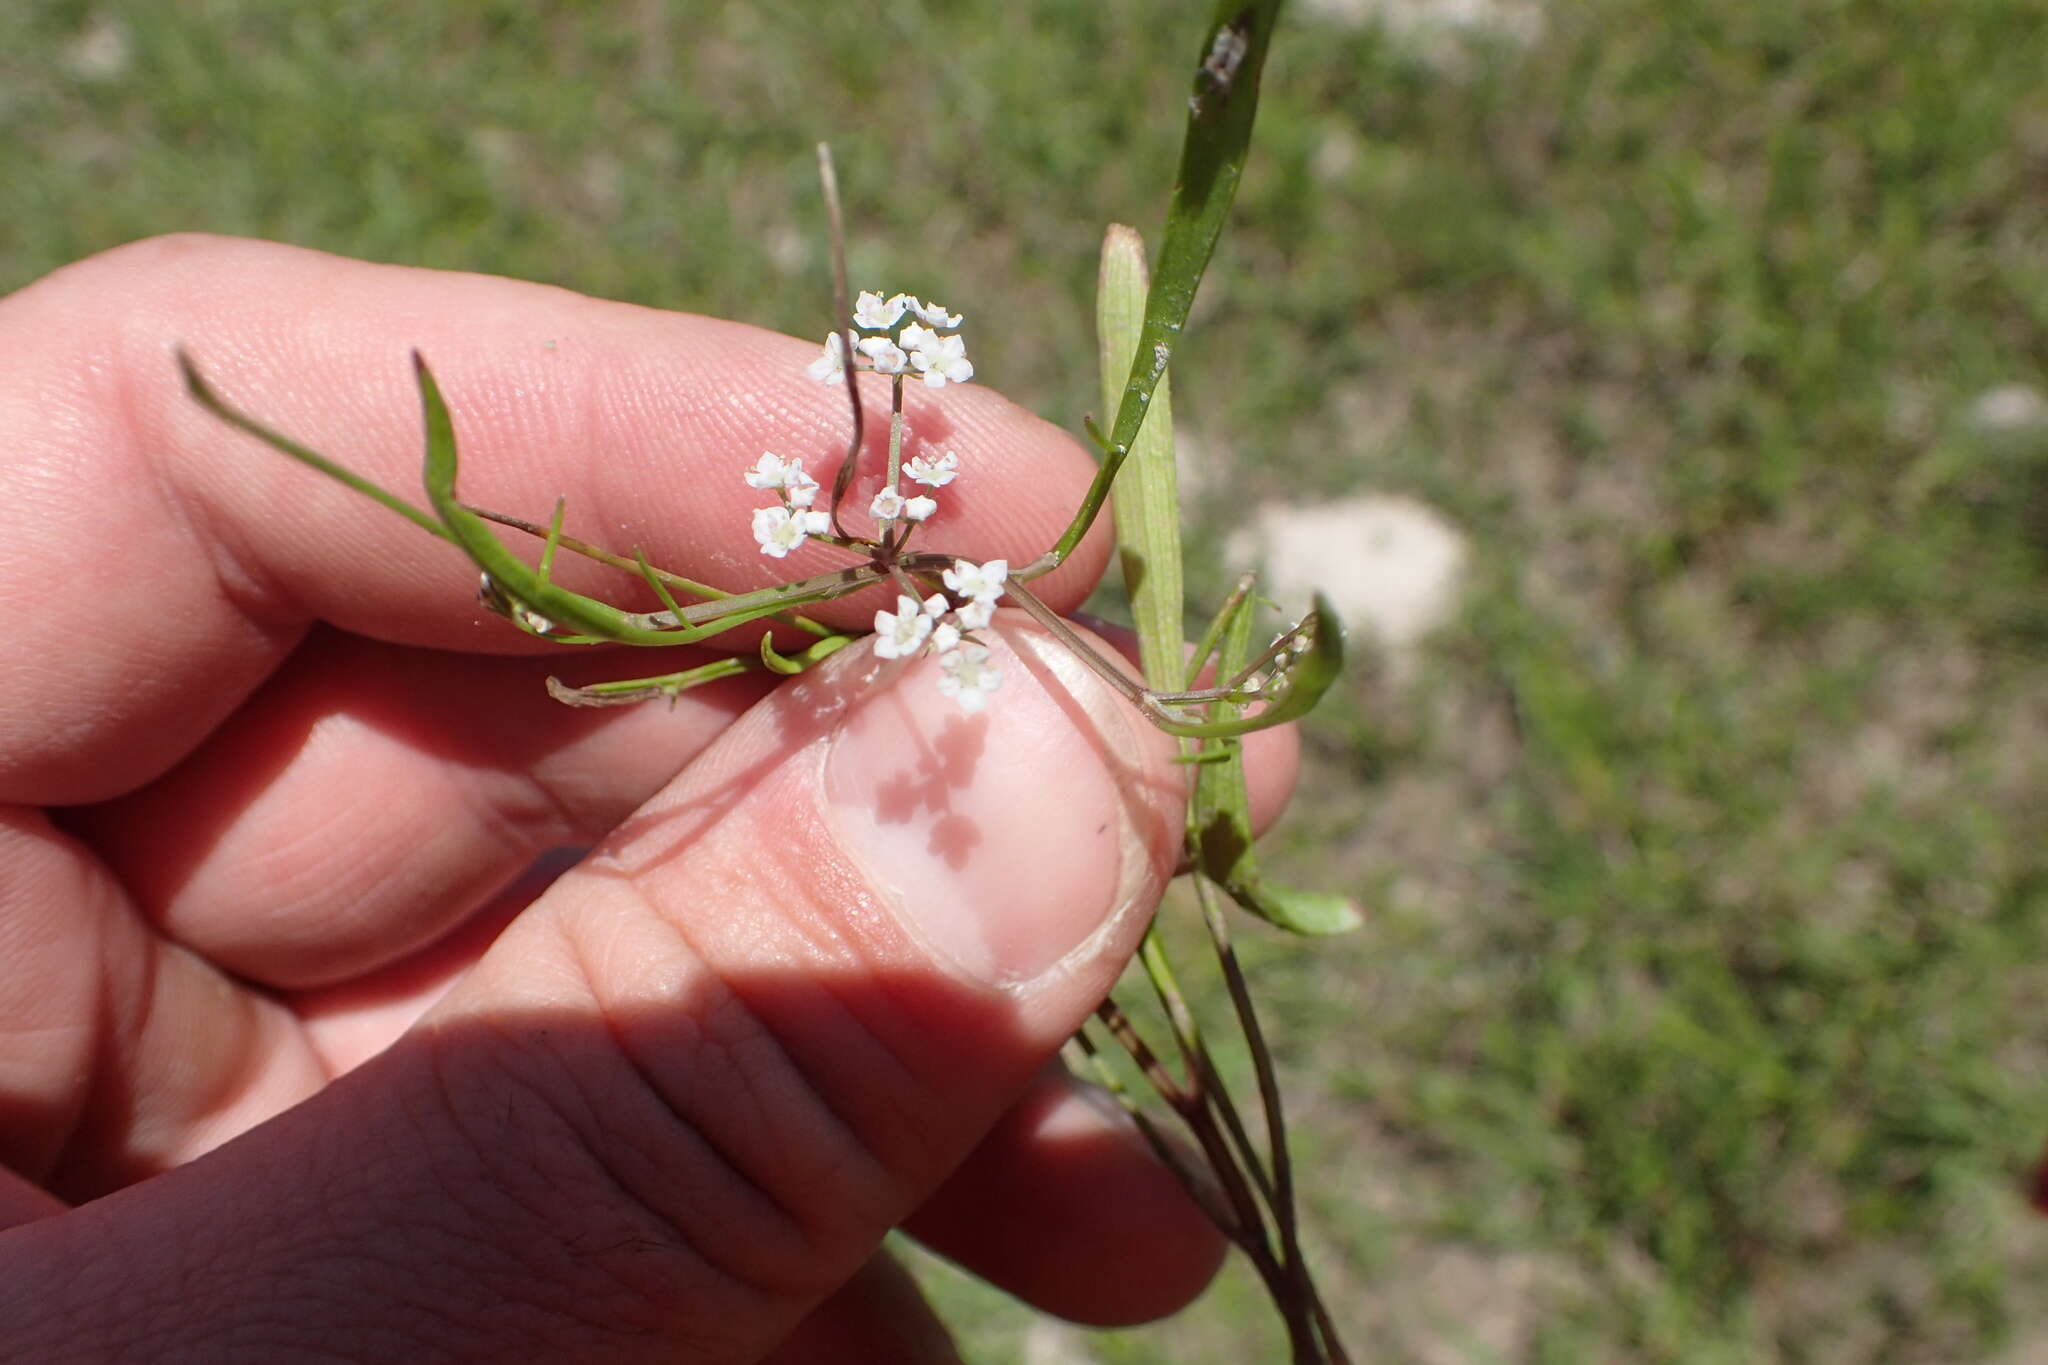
x=879, y=1317
x=1064, y=1205
x=683, y=1096
x=642, y=420
x=368, y=797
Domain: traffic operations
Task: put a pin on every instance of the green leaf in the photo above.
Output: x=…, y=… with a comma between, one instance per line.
x=1311, y=674
x=1312, y=914
x=1219, y=135
x=633, y=691
x=1219, y=815
x=570, y=612
x=775, y=660
x=1148, y=496
x=202, y=393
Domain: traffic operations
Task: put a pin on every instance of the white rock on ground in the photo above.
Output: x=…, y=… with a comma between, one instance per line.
x=1521, y=20
x=2008, y=408
x=101, y=52
x=1390, y=565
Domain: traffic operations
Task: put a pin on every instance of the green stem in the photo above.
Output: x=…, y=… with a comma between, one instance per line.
x=636, y=565
x=629, y=691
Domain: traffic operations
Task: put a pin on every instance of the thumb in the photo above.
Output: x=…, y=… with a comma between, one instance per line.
x=688, y=1091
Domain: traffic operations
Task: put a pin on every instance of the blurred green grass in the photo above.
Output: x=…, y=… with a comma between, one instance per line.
x=1699, y=1016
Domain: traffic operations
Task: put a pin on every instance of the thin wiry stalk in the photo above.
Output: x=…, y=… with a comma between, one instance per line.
x=1282, y=1198
x=1298, y=1312
x=638, y=564
x=1187, y=1031
x=1205, y=1101
x=1284, y=1211
x=842, y=312
x=1215, y=1149
x=1203, y=1192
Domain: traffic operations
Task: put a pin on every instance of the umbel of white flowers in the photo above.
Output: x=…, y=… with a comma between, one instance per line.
x=936, y=626
x=890, y=343
x=899, y=335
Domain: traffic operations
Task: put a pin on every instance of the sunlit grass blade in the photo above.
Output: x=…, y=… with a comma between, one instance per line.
x=1147, y=501
x=1219, y=131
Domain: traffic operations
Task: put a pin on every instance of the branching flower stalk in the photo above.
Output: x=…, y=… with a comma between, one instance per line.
x=942, y=603
x=1248, y=1190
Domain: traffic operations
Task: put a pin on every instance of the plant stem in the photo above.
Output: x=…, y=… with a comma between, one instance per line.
x=1285, y=1211
x=1250, y=1233
x=1204, y=1193
x=842, y=313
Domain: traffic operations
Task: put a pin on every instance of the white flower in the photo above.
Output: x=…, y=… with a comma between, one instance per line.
x=779, y=530
x=945, y=636
x=886, y=356
x=890, y=504
x=799, y=489
x=898, y=634
x=915, y=338
x=933, y=473
x=772, y=471
x=967, y=678
x=982, y=582
x=976, y=614
x=871, y=314
x=936, y=605
x=941, y=360
x=832, y=364
x=935, y=314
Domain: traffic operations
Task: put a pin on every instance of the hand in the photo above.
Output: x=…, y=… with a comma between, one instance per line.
x=293, y=1062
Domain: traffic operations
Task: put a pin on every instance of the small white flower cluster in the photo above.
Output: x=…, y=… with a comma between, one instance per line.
x=782, y=529
x=890, y=505
x=896, y=336
x=936, y=625
x=891, y=342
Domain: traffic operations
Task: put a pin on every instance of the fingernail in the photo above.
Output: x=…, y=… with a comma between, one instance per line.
x=1006, y=840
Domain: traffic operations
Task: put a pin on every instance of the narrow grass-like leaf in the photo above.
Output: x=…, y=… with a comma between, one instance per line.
x=1223, y=101
x=775, y=660
x=1147, y=501
x=202, y=392
x=569, y=611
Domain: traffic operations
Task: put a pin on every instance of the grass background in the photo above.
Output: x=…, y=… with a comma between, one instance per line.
x=1700, y=1015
